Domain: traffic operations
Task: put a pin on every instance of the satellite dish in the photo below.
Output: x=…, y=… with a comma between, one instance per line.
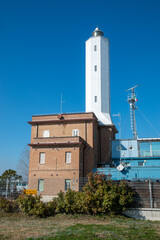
x=120, y=167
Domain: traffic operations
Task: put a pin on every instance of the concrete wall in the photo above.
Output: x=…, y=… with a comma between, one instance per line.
x=152, y=214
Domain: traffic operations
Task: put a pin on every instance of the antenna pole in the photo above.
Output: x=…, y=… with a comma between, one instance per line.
x=61, y=104
x=134, y=115
x=132, y=102
x=119, y=124
x=62, y=101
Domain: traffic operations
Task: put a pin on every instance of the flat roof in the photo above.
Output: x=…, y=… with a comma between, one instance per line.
x=55, y=114
x=61, y=121
x=138, y=139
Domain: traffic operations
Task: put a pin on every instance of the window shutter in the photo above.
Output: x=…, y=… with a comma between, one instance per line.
x=75, y=132
x=41, y=185
x=68, y=157
x=46, y=133
x=67, y=184
x=42, y=158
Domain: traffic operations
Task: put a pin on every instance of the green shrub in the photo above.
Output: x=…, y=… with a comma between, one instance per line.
x=27, y=202
x=106, y=196
x=51, y=206
x=61, y=202
x=70, y=202
x=8, y=205
x=99, y=196
x=66, y=202
x=32, y=205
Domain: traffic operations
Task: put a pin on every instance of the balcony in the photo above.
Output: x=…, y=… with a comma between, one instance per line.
x=57, y=141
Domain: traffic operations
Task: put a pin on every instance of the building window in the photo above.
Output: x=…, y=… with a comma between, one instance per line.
x=41, y=185
x=46, y=133
x=155, y=149
x=68, y=157
x=128, y=164
x=42, y=158
x=95, y=48
x=67, y=184
x=95, y=68
x=140, y=164
x=149, y=149
x=95, y=98
x=75, y=132
x=145, y=150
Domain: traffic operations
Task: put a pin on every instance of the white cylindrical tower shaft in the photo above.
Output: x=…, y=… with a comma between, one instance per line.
x=98, y=77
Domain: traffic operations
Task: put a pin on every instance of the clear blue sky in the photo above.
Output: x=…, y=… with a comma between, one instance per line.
x=42, y=53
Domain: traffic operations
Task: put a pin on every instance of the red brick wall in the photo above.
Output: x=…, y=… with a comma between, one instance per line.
x=83, y=158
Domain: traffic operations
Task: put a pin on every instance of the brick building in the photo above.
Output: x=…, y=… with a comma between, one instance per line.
x=64, y=149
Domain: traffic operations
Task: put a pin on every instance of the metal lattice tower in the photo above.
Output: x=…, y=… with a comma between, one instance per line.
x=132, y=102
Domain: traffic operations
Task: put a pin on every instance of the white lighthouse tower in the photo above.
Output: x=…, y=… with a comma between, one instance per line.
x=98, y=77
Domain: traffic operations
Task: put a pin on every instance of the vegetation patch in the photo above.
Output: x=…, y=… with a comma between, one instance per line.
x=99, y=196
x=19, y=226
x=8, y=205
x=99, y=232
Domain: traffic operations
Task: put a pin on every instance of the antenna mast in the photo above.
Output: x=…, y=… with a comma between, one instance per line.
x=62, y=101
x=132, y=102
x=119, y=124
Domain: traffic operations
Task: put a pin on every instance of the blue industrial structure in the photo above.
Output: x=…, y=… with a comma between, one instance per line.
x=134, y=159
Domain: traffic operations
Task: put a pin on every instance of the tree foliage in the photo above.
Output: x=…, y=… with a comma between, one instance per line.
x=23, y=163
x=103, y=196
x=8, y=181
x=10, y=175
x=99, y=196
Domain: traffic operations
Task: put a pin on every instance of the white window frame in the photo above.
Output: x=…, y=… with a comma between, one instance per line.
x=68, y=157
x=46, y=133
x=67, y=184
x=75, y=132
x=40, y=185
x=42, y=157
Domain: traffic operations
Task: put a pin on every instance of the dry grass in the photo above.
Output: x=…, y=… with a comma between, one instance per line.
x=19, y=226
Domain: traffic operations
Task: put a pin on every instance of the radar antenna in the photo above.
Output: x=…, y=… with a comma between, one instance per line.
x=132, y=102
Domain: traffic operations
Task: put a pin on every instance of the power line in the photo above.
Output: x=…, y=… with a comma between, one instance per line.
x=149, y=122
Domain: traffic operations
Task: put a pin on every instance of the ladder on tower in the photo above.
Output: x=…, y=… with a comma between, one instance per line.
x=132, y=102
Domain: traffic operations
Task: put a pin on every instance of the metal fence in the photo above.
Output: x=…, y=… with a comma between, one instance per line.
x=147, y=191
x=11, y=189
